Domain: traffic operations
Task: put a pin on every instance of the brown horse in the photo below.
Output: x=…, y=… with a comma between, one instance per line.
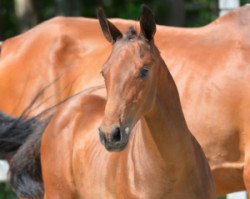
x=210, y=66
x=142, y=119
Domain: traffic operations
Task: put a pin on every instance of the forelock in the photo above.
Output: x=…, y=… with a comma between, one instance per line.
x=131, y=33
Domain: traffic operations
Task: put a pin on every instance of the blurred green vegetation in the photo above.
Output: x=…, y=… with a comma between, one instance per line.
x=168, y=12
x=5, y=192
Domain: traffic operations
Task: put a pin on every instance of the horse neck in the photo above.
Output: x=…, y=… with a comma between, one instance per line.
x=166, y=121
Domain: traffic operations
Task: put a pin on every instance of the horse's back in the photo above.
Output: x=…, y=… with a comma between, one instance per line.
x=74, y=47
x=211, y=67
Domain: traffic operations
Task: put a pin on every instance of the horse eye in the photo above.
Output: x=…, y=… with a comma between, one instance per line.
x=102, y=73
x=144, y=72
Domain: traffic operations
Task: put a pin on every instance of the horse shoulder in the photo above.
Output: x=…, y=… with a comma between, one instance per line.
x=92, y=108
x=81, y=108
x=75, y=114
x=59, y=140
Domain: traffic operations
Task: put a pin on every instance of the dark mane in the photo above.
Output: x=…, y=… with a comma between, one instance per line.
x=131, y=33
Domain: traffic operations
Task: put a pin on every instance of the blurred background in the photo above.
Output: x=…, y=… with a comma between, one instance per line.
x=17, y=16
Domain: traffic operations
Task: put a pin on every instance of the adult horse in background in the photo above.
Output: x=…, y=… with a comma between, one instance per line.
x=156, y=155
x=210, y=66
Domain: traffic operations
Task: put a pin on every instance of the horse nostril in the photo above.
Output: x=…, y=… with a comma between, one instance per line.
x=102, y=136
x=116, y=135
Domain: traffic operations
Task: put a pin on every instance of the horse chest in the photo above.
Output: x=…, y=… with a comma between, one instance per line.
x=116, y=176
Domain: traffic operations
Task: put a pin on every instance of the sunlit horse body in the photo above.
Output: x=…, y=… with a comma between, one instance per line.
x=210, y=66
x=159, y=157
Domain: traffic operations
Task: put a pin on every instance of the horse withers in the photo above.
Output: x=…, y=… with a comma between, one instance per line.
x=148, y=150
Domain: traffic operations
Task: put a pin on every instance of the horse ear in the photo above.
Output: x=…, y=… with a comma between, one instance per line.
x=147, y=23
x=109, y=30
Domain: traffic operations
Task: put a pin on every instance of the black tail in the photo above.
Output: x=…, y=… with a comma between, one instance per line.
x=20, y=140
x=14, y=132
x=25, y=166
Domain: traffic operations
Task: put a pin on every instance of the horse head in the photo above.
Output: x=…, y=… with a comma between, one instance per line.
x=130, y=75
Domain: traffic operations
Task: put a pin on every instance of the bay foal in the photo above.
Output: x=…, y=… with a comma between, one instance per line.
x=156, y=155
x=212, y=79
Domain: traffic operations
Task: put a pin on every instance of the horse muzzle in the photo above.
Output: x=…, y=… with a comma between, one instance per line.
x=115, y=140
